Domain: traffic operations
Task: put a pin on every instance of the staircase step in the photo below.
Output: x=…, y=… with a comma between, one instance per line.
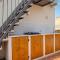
x=12, y=31
x=4, y=32
x=16, y=24
x=20, y=18
x=29, y=6
x=25, y=11
x=44, y=2
x=4, y=40
x=16, y=13
x=9, y=24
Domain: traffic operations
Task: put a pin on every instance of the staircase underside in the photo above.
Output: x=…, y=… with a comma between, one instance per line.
x=42, y=2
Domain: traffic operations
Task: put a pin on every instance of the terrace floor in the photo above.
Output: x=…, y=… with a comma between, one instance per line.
x=53, y=57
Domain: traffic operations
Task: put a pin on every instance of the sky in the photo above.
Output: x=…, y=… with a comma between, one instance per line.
x=57, y=11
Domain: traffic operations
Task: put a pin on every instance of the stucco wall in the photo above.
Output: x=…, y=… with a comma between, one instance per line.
x=40, y=19
x=10, y=7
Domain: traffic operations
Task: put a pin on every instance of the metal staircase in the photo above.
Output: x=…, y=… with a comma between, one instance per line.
x=15, y=16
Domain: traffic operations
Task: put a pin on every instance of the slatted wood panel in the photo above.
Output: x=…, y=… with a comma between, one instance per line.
x=36, y=46
x=20, y=48
x=49, y=44
x=57, y=42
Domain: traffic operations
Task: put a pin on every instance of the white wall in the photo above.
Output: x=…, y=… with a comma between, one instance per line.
x=40, y=19
x=5, y=13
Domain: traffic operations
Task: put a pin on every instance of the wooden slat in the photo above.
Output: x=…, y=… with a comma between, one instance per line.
x=49, y=44
x=36, y=46
x=20, y=48
x=57, y=42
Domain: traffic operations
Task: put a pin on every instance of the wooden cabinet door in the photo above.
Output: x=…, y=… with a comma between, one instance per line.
x=20, y=48
x=49, y=44
x=57, y=42
x=36, y=46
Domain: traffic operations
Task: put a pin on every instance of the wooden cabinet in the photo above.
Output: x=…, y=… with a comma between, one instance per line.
x=32, y=46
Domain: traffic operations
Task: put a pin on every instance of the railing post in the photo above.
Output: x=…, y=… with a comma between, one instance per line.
x=54, y=42
x=29, y=48
x=43, y=45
